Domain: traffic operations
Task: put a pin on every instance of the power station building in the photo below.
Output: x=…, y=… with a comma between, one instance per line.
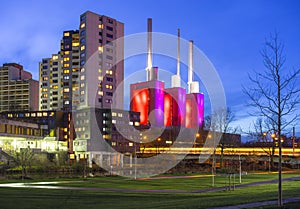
x=160, y=106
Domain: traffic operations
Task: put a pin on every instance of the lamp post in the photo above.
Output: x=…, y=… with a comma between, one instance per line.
x=157, y=148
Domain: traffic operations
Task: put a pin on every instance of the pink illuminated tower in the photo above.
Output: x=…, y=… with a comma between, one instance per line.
x=148, y=97
x=174, y=99
x=194, y=99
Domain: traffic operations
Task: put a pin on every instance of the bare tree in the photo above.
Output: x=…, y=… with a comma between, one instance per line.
x=261, y=132
x=24, y=159
x=275, y=93
x=219, y=124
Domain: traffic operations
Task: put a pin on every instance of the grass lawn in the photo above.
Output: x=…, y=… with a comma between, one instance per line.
x=29, y=198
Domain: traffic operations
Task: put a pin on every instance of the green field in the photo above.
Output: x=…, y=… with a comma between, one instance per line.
x=118, y=192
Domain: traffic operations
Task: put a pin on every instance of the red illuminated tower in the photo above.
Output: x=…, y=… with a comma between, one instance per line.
x=174, y=99
x=148, y=97
x=194, y=99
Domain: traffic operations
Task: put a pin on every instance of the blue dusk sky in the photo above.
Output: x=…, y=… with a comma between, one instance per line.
x=231, y=33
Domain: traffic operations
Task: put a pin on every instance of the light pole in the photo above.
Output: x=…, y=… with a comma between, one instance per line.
x=157, y=148
x=240, y=161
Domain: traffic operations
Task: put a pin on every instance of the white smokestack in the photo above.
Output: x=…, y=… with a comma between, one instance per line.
x=178, y=52
x=193, y=86
x=176, y=78
x=190, y=63
x=149, y=48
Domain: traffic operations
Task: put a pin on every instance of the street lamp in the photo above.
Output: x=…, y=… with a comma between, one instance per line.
x=157, y=148
x=278, y=142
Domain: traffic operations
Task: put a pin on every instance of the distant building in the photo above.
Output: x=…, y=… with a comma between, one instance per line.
x=104, y=130
x=59, y=76
x=53, y=125
x=18, y=91
x=16, y=135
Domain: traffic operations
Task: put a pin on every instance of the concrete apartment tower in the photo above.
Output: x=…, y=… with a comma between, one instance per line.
x=59, y=76
x=18, y=91
x=101, y=61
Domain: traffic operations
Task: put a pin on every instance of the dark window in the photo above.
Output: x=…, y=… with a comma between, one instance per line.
x=109, y=79
x=55, y=69
x=100, y=41
x=82, y=40
x=109, y=28
x=109, y=57
x=55, y=75
x=100, y=33
x=109, y=43
x=82, y=18
x=45, y=67
x=45, y=61
x=100, y=100
x=109, y=93
x=82, y=33
x=55, y=63
x=109, y=35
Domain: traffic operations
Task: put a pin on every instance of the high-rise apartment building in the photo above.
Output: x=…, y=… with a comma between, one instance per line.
x=101, y=61
x=18, y=91
x=59, y=76
x=50, y=83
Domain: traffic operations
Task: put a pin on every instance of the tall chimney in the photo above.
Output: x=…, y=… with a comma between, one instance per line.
x=190, y=63
x=193, y=86
x=149, y=49
x=178, y=52
x=176, y=78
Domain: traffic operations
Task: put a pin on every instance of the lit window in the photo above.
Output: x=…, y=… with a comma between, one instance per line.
x=130, y=144
x=82, y=77
x=82, y=92
x=100, y=70
x=130, y=123
x=66, y=34
x=45, y=96
x=114, y=121
x=54, y=57
x=82, y=25
x=114, y=114
x=100, y=48
x=66, y=90
x=136, y=123
x=75, y=44
x=120, y=115
x=66, y=71
x=100, y=93
x=44, y=89
x=113, y=144
x=66, y=65
x=110, y=72
x=100, y=78
x=67, y=52
x=82, y=85
x=55, y=87
x=82, y=47
x=66, y=59
x=82, y=70
x=67, y=102
x=100, y=26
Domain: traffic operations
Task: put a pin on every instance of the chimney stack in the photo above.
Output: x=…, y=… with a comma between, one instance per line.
x=193, y=86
